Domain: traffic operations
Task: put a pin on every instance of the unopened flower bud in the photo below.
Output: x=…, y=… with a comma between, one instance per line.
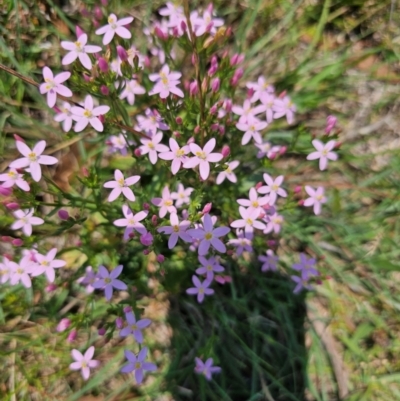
x=207, y=208
x=194, y=59
x=127, y=309
x=271, y=243
x=119, y=323
x=282, y=150
x=146, y=206
x=250, y=93
x=98, y=14
x=204, y=85
x=212, y=70
x=138, y=152
x=122, y=54
x=183, y=26
x=72, y=336
x=154, y=220
x=12, y=206
x=85, y=12
x=146, y=239
x=63, y=214
x=226, y=150
x=178, y=120
x=297, y=189
x=221, y=130
x=101, y=331
x=86, y=77
x=147, y=62
x=338, y=145
x=330, y=124
x=175, y=31
x=85, y=172
x=196, y=129
x=160, y=34
x=215, y=85
x=213, y=109
x=79, y=31
x=193, y=88
x=258, y=185
x=5, y=191
x=103, y=65
x=282, y=94
x=234, y=59
x=272, y=156
x=51, y=287
x=104, y=90
x=63, y=325
x=236, y=76
x=18, y=138
x=160, y=258
x=214, y=127
x=104, y=3
x=101, y=118
x=146, y=252
x=176, y=134
x=17, y=242
x=5, y=238
x=301, y=202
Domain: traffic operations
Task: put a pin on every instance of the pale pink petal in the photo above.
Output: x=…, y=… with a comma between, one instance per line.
x=48, y=160
x=123, y=32
x=108, y=37
x=209, y=146
x=69, y=58
x=96, y=124
x=60, y=78
x=85, y=60
x=114, y=194
x=204, y=169
x=100, y=110
x=36, y=171
x=47, y=73
x=81, y=125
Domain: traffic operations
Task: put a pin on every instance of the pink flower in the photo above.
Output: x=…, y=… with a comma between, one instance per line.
x=254, y=202
x=46, y=264
x=323, y=153
x=88, y=114
x=166, y=204
x=131, y=221
x=259, y=87
x=182, y=195
x=65, y=116
x=33, y=159
x=151, y=122
x=79, y=49
x=208, y=235
x=316, y=199
x=152, y=146
x=63, y=325
x=52, y=85
x=25, y=221
x=200, y=289
x=209, y=267
x=176, y=230
x=243, y=242
x=14, y=178
x=266, y=149
x=84, y=362
x=284, y=107
x=228, y=173
x=248, y=220
x=272, y=188
x=121, y=185
x=274, y=223
x=252, y=128
x=207, y=23
x=203, y=157
x=166, y=82
x=247, y=111
x=268, y=101
x=177, y=155
x=115, y=27
x=131, y=89
x=20, y=272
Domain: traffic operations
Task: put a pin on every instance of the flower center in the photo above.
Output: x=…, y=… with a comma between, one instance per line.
x=249, y=221
x=84, y=364
x=138, y=365
x=319, y=197
x=121, y=182
x=176, y=229
x=228, y=170
x=45, y=263
x=107, y=280
x=201, y=290
x=134, y=327
x=209, y=268
x=275, y=187
x=32, y=157
x=208, y=236
x=201, y=155
x=164, y=80
x=87, y=113
x=255, y=204
x=78, y=46
x=180, y=152
x=324, y=152
x=168, y=202
x=151, y=145
x=20, y=271
x=12, y=174
x=131, y=221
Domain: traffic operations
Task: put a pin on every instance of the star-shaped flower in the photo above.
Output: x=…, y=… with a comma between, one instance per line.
x=323, y=153
x=152, y=147
x=46, y=264
x=200, y=289
x=176, y=230
x=166, y=204
x=121, y=185
x=177, y=155
x=316, y=199
x=131, y=221
x=113, y=27
x=273, y=188
x=138, y=364
x=11, y=178
x=53, y=85
x=134, y=327
x=26, y=220
x=206, y=368
x=79, y=49
x=84, y=362
x=108, y=281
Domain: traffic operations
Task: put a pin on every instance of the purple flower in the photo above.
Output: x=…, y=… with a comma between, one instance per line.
x=166, y=204
x=207, y=369
x=134, y=327
x=208, y=235
x=203, y=157
x=108, y=281
x=228, y=173
x=300, y=284
x=252, y=128
x=84, y=362
x=176, y=230
x=88, y=279
x=260, y=87
x=306, y=267
x=137, y=364
x=131, y=89
x=243, y=242
x=33, y=159
x=182, y=195
x=323, y=153
x=254, y=202
x=209, y=266
x=200, y=289
x=274, y=223
x=269, y=261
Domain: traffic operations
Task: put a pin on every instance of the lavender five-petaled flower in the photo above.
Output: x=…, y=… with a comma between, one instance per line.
x=137, y=364
x=109, y=281
x=134, y=327
x=200, y=289
x=206, y=368
x=84, y=362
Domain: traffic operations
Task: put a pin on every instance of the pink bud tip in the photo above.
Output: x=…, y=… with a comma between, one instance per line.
x=300, y=202
x=63, y=325
x=160, y=258
x=79, y=31
x=5, y=238
x=101, y=118
x=146, y=206
x=338, y=145
x=221, y=130
x=215, y=84
x=176, y=134
x=127, y=309
x=101, y=331
x=17, y=242
x=193, y=88
x=12, y=206
x=213, y=109
x=207, y=208
x=103, y=65
x=122, y=54
x=297, y=189
x=63, y=214
x=214, y=127
x=183, y=26
x=194, y=59
x=98, y=14
x=5, y=191
x=18, y=138
x=212, y=70
x=178, y=120
x=146, y=252
x=104, y=3
x=160, y=34
x=104, y=90
x=85, y=172
x=191, y=139
x=138, y=152
x=175, y=31
x=154, y=220
x=220, y=279
x=271, y=243
x=282, y=150
x=258, y=185
x=226, y=150
x=72, y=336
x=51, y=287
